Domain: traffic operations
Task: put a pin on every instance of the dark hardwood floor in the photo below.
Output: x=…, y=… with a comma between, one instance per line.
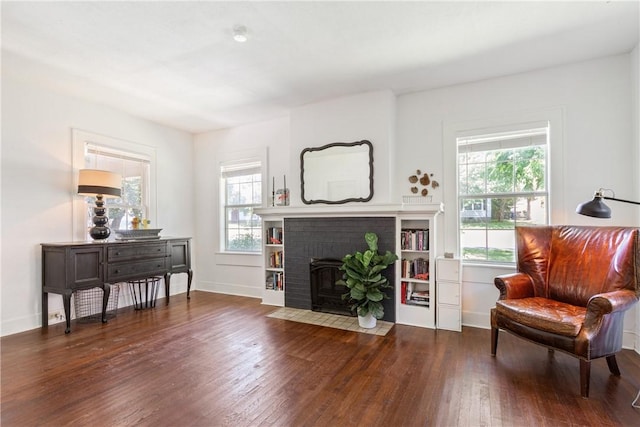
x=217, y=360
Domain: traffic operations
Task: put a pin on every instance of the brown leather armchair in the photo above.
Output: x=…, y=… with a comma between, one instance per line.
x=570, y=292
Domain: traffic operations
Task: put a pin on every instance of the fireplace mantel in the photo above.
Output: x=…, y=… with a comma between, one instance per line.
x=349, y=210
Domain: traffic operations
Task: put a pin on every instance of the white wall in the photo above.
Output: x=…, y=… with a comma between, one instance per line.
x=218, y=271
x=364, y=116
x=37, y=183
x=598, y=138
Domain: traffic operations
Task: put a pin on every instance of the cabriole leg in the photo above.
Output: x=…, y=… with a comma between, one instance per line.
x=66, y=303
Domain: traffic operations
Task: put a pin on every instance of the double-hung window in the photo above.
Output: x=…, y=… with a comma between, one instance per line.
x=241, y=192
x=502, y=183
x=135, y=171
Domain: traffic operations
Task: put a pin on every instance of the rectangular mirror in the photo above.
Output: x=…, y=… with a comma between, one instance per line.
x=336, y=173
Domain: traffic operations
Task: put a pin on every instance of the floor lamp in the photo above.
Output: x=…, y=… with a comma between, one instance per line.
x=597, y=208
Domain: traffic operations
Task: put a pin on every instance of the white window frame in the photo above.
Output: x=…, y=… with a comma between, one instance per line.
x=494, y=142
x=80, y=140
x=452, y=130
x=230, y=160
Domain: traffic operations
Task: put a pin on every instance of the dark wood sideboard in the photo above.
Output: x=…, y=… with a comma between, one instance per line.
x=68, y=267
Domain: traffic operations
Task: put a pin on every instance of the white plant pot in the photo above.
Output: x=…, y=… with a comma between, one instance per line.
x=367, y=321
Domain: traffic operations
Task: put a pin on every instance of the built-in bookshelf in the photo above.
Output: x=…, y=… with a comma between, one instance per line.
x=273, y=251
x=415, y=295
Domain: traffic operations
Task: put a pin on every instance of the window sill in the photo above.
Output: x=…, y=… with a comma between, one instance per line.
x=227, y=253
x=496, y=265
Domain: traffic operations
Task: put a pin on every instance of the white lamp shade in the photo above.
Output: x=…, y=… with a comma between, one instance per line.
x=94, y=181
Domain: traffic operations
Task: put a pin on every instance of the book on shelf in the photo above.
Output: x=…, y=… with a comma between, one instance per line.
x=414, y=240
x=415, y=268
x=424, y=295
x=274, y=235
x=418, y=302
x=276, y=259
x=403, y=292
x=411, y=296
x=275, y=281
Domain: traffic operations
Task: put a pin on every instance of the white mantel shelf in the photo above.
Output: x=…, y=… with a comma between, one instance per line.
x=323, y=210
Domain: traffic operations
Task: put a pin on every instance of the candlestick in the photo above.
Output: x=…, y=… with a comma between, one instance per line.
x=286, y=192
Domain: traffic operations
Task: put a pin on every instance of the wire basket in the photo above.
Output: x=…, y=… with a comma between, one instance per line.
x=144, y=292
x=88, y=303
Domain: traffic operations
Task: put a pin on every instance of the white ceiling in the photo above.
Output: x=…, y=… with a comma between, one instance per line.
x=176, y=62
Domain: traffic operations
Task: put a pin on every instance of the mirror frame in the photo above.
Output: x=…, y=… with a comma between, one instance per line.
x=338, y=144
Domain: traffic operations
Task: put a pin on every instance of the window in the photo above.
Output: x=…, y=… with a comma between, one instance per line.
x=502, y=183
x=241, y=192
x=134, y=161
x=135, y=171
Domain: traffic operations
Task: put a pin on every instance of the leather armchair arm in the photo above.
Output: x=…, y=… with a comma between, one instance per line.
x=602, y=310
x=610, y=302
x=514, y=286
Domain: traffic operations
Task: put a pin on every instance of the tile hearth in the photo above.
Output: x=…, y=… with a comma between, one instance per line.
x=329, y=320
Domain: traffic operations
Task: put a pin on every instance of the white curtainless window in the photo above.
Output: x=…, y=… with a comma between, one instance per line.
x=241, y=193
x=502, y=182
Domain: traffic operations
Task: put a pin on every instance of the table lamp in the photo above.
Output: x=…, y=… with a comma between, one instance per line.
x=99, y=183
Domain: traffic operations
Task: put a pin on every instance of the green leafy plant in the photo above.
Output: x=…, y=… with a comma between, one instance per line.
x=362, y=275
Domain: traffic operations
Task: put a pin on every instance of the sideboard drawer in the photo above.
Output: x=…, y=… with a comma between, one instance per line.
x=126, y=270
x=117, y=253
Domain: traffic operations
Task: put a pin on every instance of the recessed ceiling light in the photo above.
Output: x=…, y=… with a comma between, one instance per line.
x=240, y=33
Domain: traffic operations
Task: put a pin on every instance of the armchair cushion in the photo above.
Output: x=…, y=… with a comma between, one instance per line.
x=544, y=314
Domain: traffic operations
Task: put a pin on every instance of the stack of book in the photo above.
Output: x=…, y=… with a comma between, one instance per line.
x=276, y=260
x=274, y=281
x=415, y=268
x=274, y=235
x=412, y=296
x=414, y=240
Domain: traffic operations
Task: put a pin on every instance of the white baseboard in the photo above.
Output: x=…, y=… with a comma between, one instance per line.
x=14, y=326
x=476, y=320
x=230, y=289
x=629, y=340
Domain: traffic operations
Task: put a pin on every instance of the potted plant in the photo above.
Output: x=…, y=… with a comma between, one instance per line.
x=362, y=275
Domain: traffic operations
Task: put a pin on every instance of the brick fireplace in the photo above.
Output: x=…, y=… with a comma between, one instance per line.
x=331, y=238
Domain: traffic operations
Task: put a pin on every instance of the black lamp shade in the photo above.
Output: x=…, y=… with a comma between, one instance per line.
x=96, y=189
x=595, y=208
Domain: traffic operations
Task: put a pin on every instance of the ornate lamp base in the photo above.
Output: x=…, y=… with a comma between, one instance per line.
x=100, y=231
